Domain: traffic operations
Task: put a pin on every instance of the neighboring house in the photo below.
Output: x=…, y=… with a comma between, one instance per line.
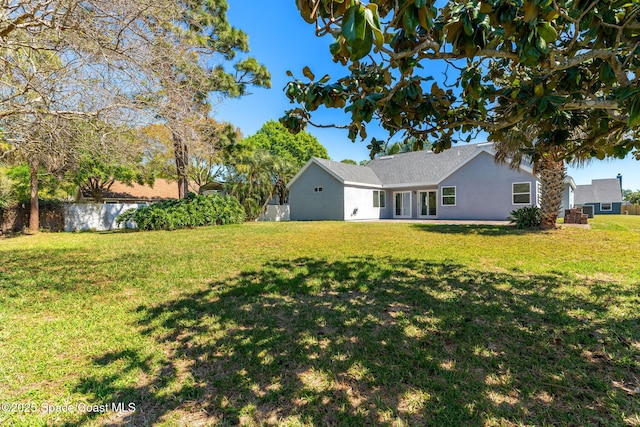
x=120, y=192
x=463, y=182
x=602, y=196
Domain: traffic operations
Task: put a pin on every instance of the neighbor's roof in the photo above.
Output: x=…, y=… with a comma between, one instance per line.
x=599, y=191
x=162, y=189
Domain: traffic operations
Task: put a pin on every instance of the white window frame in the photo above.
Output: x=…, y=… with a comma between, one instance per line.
x=602, y=209
x=455, y=196
x=380, y=197
x=514, y=194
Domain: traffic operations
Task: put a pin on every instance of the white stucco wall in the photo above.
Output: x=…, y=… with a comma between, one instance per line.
x=275, y=213
x=358, y=204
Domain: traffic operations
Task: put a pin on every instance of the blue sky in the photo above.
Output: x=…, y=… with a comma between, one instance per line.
x=281, y=40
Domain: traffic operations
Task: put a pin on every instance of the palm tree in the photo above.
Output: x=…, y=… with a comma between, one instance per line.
x=546, y=154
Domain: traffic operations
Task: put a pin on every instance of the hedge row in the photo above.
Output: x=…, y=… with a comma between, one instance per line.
x=194, y=211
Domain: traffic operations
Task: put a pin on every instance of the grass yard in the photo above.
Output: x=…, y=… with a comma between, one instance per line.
x=323, y=323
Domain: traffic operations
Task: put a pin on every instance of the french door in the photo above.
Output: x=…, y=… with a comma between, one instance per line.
x=402, y=204
x=428, y=202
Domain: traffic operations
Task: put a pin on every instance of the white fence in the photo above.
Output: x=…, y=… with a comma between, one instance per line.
x=91, y=216
x=102, y=217
x=275, y=213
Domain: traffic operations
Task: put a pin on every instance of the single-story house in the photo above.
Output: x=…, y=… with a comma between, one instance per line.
x=463, y=182
x=602, y=196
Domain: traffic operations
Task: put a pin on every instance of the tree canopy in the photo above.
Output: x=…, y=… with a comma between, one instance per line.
x=118, y=62
x=633, y=197
x=566, y=68
x=296, y=149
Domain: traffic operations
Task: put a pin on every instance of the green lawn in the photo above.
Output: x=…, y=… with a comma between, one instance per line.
x=323, y=323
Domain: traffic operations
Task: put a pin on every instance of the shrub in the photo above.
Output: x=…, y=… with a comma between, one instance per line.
x=527, y=217
x=6, y=192
x=194, y=211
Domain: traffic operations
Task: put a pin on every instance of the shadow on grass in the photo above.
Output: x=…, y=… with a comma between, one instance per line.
x=375, y=342
x=477, y=229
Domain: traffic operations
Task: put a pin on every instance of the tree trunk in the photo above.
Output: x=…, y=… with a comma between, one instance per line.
x=552, y=174
x=181, y=154
x=34, y=213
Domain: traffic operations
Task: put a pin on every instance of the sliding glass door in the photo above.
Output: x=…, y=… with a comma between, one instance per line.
x=402, y=204
x=428, y=204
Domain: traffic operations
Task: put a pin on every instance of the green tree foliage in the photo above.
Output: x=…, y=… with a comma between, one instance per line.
x=7, y=196
x=633, y=197
x=189, y=71
x=296, y=149
x=51, y=187
x=193, y=211
x=513, y=66
x=120, y=62
x=411, y=144
x=349, y=161
x=94, y=175
x=255, y=176
x=216, y=142
x=260, y=166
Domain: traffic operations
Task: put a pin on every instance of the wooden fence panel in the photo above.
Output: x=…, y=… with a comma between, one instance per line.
x=631, y=209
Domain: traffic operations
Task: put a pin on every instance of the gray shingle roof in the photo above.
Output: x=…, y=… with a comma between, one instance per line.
x=405, y=169
x=423, y=167
x=351, y=173
x=599, y=191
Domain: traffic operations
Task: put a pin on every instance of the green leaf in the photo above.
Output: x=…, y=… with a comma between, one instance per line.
x=308, y=74
x=547, y=32
x=420, y=3
x=634, y=112
x=354, y=24
x=410, y=20
x=468, y=27
x=373, y=20
x=607, y=76
x=325, y=78
x=356, y=33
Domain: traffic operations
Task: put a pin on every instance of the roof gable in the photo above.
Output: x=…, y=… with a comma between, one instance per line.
x=343, y=172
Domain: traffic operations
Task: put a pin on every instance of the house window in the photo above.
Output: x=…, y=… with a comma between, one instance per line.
x=317, y=189
x=379, y=200
x=605, y=207
x=448, y=196
x=521, y=193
